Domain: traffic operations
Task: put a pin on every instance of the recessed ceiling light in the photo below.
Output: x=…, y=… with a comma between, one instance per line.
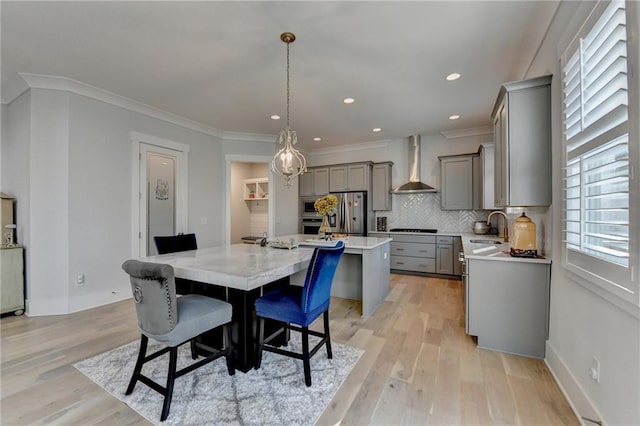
x=275, y=117
x=453, y=76
x=454, y=117
x=348, y=100
x=317, y=139
x=377, y=129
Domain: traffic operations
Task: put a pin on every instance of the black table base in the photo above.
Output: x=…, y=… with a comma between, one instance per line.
x=243, y=323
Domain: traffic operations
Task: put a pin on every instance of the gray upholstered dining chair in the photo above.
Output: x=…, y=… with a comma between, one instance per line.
x=172, y=321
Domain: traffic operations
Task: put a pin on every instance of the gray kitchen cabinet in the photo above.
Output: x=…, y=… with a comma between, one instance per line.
x=444, y=255
x=315, y=181
x=507, y=305
x=12, y=280
x=477, y=182
x=457, y=254
x=522, y=136
x=381, y=186
x=486, y=160
x=457, y=183
x=413, y=253
x=350, y=177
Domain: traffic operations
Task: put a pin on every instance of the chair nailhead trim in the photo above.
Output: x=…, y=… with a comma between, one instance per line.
x=168, y=295
x=163, y=282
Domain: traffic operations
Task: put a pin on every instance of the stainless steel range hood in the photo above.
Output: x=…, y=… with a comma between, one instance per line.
x=414, y=185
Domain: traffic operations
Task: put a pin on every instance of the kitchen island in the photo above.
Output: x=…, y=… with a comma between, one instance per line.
x=363, y=272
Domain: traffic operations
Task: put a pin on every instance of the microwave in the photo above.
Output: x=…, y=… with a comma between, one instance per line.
x=307, y=210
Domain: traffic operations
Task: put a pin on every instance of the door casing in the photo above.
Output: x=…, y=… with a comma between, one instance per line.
x=229, y=158
x=141, y=145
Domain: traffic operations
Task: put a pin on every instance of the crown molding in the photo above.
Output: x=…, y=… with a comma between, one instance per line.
x=472, y=131
x=350, y=148
x=38, y=81
x=248, y=137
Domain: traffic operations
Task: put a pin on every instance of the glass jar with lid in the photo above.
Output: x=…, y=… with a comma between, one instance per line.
x=524, y=234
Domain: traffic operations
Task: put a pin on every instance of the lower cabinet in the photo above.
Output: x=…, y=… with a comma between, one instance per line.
x=444, y=255
x=414, y=253
x=12, y=280
x=507, y=305
x=425, y=253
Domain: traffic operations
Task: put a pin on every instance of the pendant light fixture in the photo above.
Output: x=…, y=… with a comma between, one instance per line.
x=288, y=161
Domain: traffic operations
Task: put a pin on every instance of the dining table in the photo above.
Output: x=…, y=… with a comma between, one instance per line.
x=241, y=273
x=238, y=274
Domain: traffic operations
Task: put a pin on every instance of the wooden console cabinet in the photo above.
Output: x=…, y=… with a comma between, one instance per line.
x=12, y=280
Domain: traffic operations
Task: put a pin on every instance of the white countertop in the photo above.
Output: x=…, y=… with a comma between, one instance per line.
x=350, y=242
x=486, y=251
x=492, y=251
x=443, y=233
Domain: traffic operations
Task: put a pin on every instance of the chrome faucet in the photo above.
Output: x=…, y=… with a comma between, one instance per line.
x=505, y=231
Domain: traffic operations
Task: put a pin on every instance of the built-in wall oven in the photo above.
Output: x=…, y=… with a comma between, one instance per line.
x=307, y=210
x=310, y=219
x=310, y=226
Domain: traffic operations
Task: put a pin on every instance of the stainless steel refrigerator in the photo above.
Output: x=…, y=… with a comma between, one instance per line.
x=351, y=214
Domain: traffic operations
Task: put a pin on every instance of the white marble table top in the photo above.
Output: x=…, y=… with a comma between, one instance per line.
x=240, y=266
x=249, y=266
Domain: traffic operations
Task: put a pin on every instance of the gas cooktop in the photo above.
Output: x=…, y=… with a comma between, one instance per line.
x=430, y=231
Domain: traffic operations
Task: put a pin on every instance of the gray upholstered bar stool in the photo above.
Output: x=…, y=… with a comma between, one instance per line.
x=172, y=321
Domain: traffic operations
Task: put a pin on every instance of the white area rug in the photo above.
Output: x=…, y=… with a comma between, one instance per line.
x=273, y=395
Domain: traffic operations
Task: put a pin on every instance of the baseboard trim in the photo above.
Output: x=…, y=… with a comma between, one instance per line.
x=580, y=403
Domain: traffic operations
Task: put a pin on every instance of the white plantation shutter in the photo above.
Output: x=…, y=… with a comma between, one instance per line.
x=596, y=142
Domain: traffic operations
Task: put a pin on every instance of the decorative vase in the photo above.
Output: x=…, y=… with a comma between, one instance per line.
x=325, y=228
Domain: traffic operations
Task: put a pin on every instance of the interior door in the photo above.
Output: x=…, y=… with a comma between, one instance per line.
x=161, y=207
x=161, y=198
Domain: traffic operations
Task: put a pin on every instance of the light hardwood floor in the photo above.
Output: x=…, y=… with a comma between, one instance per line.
x=419, y=367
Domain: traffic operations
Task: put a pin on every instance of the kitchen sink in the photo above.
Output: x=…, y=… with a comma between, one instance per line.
x=485, y=241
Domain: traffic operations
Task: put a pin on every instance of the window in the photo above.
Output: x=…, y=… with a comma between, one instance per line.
x=597, y=200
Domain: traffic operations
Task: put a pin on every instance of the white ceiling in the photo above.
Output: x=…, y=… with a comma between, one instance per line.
x=222, y=64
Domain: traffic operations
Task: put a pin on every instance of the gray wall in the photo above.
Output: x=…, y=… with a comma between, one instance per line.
x=584, y=324
x=68, y=160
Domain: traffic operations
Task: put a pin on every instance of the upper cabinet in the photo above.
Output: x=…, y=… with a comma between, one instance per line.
x=315, y=181
x=381, y=186
x=486, y=199
x=522, y=133
x=457, y=182
x=256, y=189
x=350, y=177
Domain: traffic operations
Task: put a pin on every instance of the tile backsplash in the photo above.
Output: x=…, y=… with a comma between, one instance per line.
x=422, y=210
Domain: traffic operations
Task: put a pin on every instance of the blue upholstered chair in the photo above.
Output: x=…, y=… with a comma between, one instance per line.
x=301, y=305
x=172, y=321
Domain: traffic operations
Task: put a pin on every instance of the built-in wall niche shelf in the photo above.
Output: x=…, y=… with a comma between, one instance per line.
x=256, y=189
